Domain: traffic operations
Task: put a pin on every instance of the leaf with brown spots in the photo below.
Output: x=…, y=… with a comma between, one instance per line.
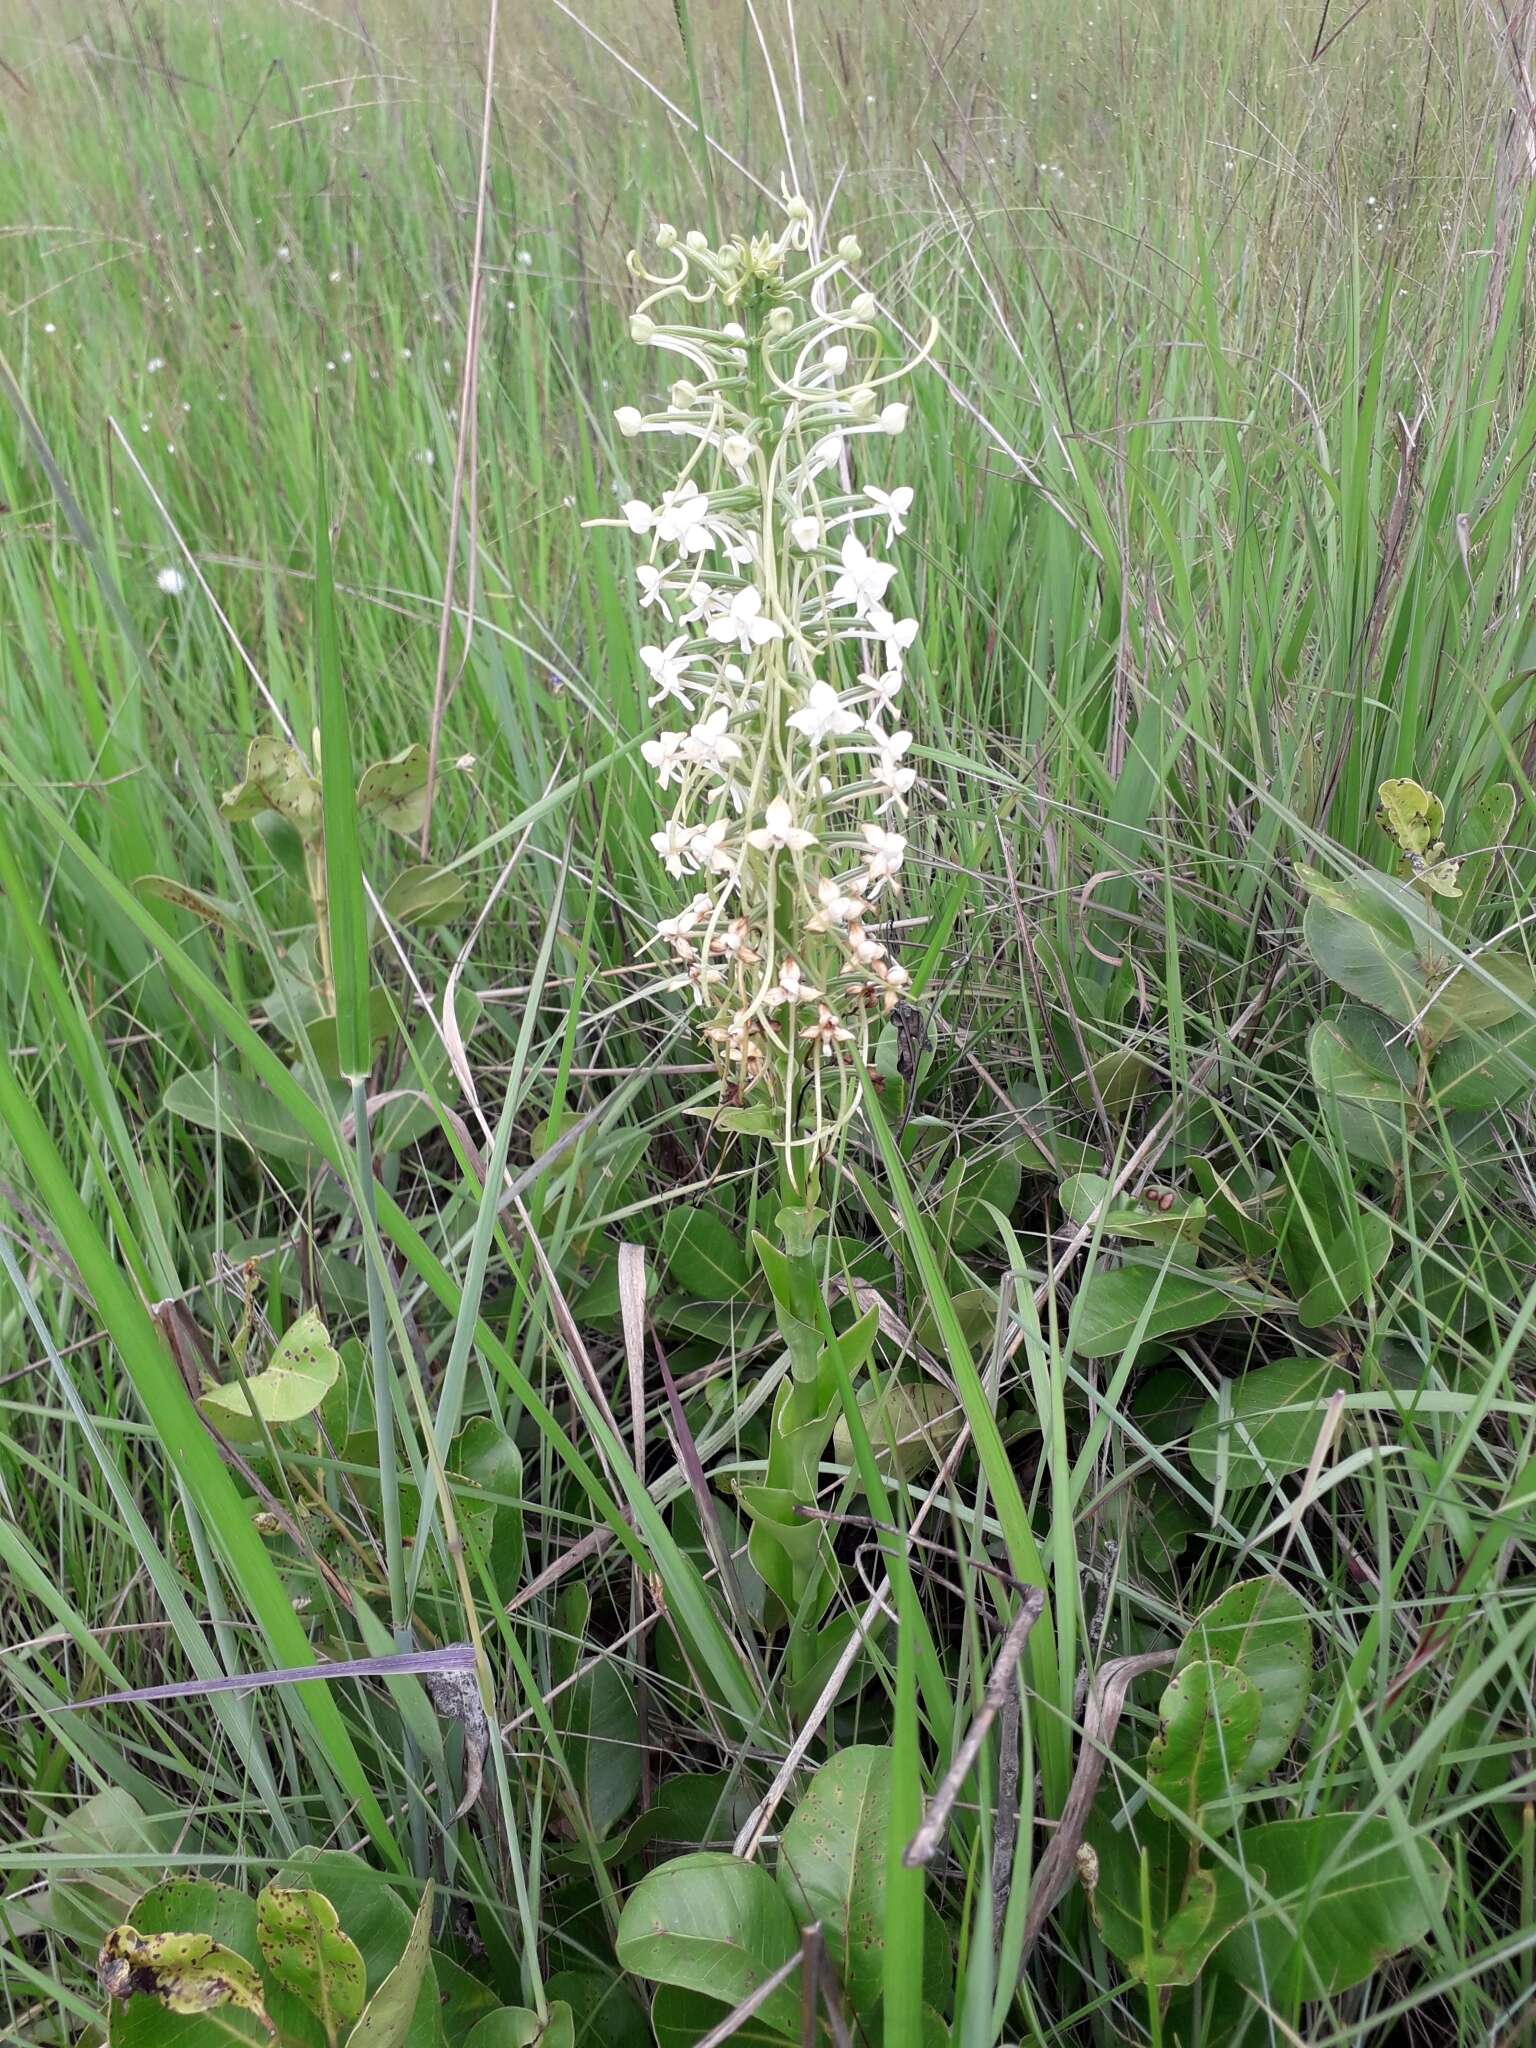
x=304, y=1948
x=185, y=1973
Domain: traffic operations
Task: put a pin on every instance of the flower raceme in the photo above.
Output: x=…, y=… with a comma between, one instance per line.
x=781, y=662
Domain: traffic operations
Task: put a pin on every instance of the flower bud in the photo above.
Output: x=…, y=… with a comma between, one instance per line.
x=641, y=327
x=666, y=236
x=796, y=208
x=630, y=420
x=862, y=402
x=863, y=307
x=737, y=450
x=682, y=394
x=836, y=359
x=780, y=322
x=894, y=418
x=849, y=250
x=734, y=331
x=696, y=241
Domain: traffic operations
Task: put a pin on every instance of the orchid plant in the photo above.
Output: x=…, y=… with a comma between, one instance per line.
x=776, y=669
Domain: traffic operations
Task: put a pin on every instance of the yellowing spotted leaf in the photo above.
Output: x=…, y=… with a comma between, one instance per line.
x=186, y=1973
x=298, y=1376
x=1414, y=819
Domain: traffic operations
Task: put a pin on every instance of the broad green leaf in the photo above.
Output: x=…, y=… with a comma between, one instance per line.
x=300, y=1373
x=514, y=2026
x=1118, y=1079
x=1361, y=1067
x=1156, y=1217
x=681, y=2018
x=1475, y=997
x=1487, y=1069
x=831, y=1865
x=191, y=1905
x=1362, y=936
x=388, y=2017
x=1412, y=817
x=1210, y=1720
x=910, y=1427
x=306, y=1951
x=597, y=1721
x=1483, y=829
x=87, y=1893
x=1109, y=1305
x=223, y=1099
x=1244, y=1204
x=181, y=1973
x=600, y=2010
x=1344, y=1267
x=1350, y=1893
x=425, y=895
x=702, y=1256
x=972, y=1189
x=485, y=1461
x=276, y=779
x=1260, y=1627
x=713, y=1924
x=1190, y=1912
x=694, y=1810
x=463, y=2000
x=396, y=790
x=762, y=1121
x=1271, y=1422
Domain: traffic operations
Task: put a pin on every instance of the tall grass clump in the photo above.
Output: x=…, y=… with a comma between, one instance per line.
x=766, y=1241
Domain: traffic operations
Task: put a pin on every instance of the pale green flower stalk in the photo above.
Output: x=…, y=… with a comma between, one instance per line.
x=777, y=667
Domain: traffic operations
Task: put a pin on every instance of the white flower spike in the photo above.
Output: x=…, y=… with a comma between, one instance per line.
x=784, y=655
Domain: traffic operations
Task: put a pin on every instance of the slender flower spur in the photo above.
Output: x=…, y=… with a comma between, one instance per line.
x=785, y=657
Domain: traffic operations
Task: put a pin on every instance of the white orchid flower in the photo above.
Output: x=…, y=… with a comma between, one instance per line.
x=864, y=581
x=682, y=520
x=668, y=755
x=893, y=507
x=710, y=744
x=779, y=832
x=791, y=987
x=743, y=621
x=896, y=635
x=674, y=842
x=884, y=853
x=653, y=589
x=668, y=669
x=823, y=715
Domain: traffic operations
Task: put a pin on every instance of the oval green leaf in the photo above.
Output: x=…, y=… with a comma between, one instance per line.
x=1271, y=1422
x=1260, y=1628
x=715, y=1925
x=1350, y=1892
x=1109, y=1305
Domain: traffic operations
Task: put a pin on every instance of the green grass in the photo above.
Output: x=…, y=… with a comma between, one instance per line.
x=1185, y=605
